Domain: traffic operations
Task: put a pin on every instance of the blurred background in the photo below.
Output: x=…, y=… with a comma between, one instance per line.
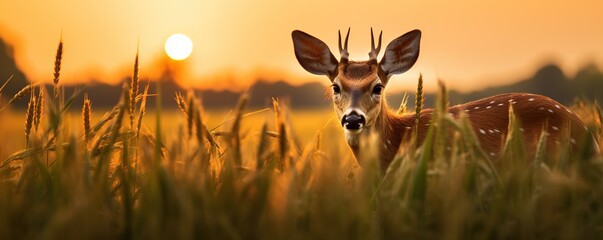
x=477, y=48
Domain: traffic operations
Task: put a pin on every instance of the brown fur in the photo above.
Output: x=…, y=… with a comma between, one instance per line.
x=357, y=70
x=489, y=118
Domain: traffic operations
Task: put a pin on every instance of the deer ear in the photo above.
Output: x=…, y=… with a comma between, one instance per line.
x=314, y=55
x=401, y=54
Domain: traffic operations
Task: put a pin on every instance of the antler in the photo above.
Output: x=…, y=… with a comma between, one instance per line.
x=375, y=51
x=343, y=51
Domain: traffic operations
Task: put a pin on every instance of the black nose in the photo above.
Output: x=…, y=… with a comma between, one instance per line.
x=353, y=121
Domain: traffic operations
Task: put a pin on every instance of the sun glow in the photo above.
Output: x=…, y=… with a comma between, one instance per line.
x=178, y=47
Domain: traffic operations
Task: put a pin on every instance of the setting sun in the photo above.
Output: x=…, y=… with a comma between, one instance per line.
x=178, y=46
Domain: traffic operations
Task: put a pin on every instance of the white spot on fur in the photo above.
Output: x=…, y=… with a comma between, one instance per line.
x=531, y=99
x=550, y=110
x=496, y=130
x=540, y=108
x=500, y=104
x=408, y=128
x=476, y=108
x=492, y=101
x=557, y=106
x=568, y=110
x=555, y=128
x=488, y=107
x=482, y=131
x=466, y=110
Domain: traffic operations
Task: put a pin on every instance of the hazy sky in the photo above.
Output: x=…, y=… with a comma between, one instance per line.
x=468, y=44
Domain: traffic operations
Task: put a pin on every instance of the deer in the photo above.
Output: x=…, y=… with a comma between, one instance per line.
x=359, y=103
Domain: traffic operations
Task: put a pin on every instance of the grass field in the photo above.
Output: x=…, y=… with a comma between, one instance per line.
x=276, y=174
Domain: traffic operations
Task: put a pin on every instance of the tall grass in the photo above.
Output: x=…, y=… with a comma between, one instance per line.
x=224, y=182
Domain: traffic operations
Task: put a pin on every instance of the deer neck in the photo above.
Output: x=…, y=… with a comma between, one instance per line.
x=390, y=129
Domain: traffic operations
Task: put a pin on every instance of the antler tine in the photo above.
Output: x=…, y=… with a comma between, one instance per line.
x=344, y=50
x=346, y=40
x=375, y=51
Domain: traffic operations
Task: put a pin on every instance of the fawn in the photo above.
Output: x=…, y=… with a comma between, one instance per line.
x=361, y=107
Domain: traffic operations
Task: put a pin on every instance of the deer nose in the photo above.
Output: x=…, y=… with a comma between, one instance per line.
x=353, y=121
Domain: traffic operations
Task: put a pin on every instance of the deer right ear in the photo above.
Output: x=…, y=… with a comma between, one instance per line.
x=314, y=55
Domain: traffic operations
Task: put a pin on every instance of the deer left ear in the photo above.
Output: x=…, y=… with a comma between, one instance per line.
x=401, y=54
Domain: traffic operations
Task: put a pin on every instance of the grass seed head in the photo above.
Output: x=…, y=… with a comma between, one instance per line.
x=402, y=109
x=134, y=90
x=143, y=106
x=24, y=91
x=86, y=115
x=29, y=116
x=181, y=103
x=39, y=108
x=57, y=63
x=419, y=100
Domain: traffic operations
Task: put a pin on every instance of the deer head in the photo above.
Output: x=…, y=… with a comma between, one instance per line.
x=357, y=85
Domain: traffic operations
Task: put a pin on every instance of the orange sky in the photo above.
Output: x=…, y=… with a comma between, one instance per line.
x=466, y=43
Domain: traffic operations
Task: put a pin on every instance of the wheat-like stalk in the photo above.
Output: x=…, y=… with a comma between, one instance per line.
x=190, y=115
x=29, y=117
x=143, y=106
x=403, y=103
x=57, y=63
x=86, y=115
x=39, y=108
x=5, y=83
x=419, y=100
x=235, y=138
x=318, y=140
x=262, y=146
x=134, y=91
x=181, y=103
x=283, y=146
x=24, y=91
x=199, y=124
x=57, y=69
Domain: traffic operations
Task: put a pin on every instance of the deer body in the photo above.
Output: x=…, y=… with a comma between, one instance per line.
x=489, y=119
x=360, y=105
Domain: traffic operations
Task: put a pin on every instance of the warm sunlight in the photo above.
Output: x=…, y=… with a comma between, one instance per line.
x=178, y=47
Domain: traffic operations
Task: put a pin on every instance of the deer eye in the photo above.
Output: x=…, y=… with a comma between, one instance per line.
x=378, y=89
x=336, y=89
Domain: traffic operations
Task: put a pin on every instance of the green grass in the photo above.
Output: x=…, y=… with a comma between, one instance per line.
x=271, y=175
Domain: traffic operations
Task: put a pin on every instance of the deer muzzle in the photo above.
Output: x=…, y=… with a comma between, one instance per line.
x=353, y=121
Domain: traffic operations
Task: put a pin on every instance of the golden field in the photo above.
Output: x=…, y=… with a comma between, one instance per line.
x=276, y=174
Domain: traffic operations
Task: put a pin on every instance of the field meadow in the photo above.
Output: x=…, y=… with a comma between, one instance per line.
x=276, y=173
